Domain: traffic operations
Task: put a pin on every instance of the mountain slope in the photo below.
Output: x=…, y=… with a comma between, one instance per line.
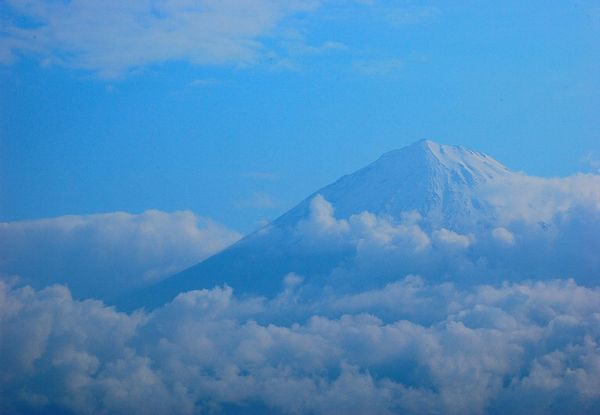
x=430, y=178
x=439, y=182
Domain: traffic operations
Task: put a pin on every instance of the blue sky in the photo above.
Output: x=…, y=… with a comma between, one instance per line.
x=238, y=112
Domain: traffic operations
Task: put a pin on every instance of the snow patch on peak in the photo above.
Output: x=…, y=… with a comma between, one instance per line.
x=436, y=180
x=465, y=162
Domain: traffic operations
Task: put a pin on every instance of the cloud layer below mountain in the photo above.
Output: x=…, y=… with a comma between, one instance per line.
x=409, y=347
x=498, y=319
x=106, y=255
x=530, y=228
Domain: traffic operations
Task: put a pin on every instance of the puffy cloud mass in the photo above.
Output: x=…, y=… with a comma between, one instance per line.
x=526, y=228
x=409, y=347
x=500, y=316
x=108, y=254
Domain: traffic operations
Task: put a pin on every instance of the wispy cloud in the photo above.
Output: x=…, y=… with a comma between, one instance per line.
x=112, y=37
x=413, y=14
x=379, y=67
x=262, y=175
x=200, y=83
x=259, y=200
x=402, y=13
x=299, y=47
x=591, y=161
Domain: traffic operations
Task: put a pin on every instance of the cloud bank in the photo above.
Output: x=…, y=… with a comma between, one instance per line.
x=409, y=347
x=499, y=317
x=530, y=228
x=106, y=255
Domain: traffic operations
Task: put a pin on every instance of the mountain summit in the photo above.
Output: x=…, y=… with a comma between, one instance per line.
x=427, y=177
x=438, y=182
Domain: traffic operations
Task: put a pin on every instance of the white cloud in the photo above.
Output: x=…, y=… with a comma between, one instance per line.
x=111, y=37
x=503, y=235
x=259, y=200
x=365, y=231
x=321, y=221
x=452, y=239
x=409, y=347
x=528, y=228
x=415, y=318
x=105, y=255
x=534, y=199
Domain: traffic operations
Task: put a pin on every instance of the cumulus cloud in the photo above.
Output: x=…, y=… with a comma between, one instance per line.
x=106, y=255
x=528, y=227
x=452, y=239
x=409, y=347
x=534, y=199
x=321, y=225
x=111, y=37
x=501, y=315
x=503, y=235
x=323, y=230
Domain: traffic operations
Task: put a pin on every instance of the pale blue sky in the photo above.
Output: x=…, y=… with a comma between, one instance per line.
x=238, y=111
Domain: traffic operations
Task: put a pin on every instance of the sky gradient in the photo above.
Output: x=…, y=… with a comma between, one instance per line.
x=146, y=105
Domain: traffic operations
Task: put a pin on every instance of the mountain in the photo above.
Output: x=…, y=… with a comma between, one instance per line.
x=433, y=179
x=440, y=182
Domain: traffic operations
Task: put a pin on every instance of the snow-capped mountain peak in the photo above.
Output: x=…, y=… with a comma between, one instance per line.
x=478, y=165
x=430, y=178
